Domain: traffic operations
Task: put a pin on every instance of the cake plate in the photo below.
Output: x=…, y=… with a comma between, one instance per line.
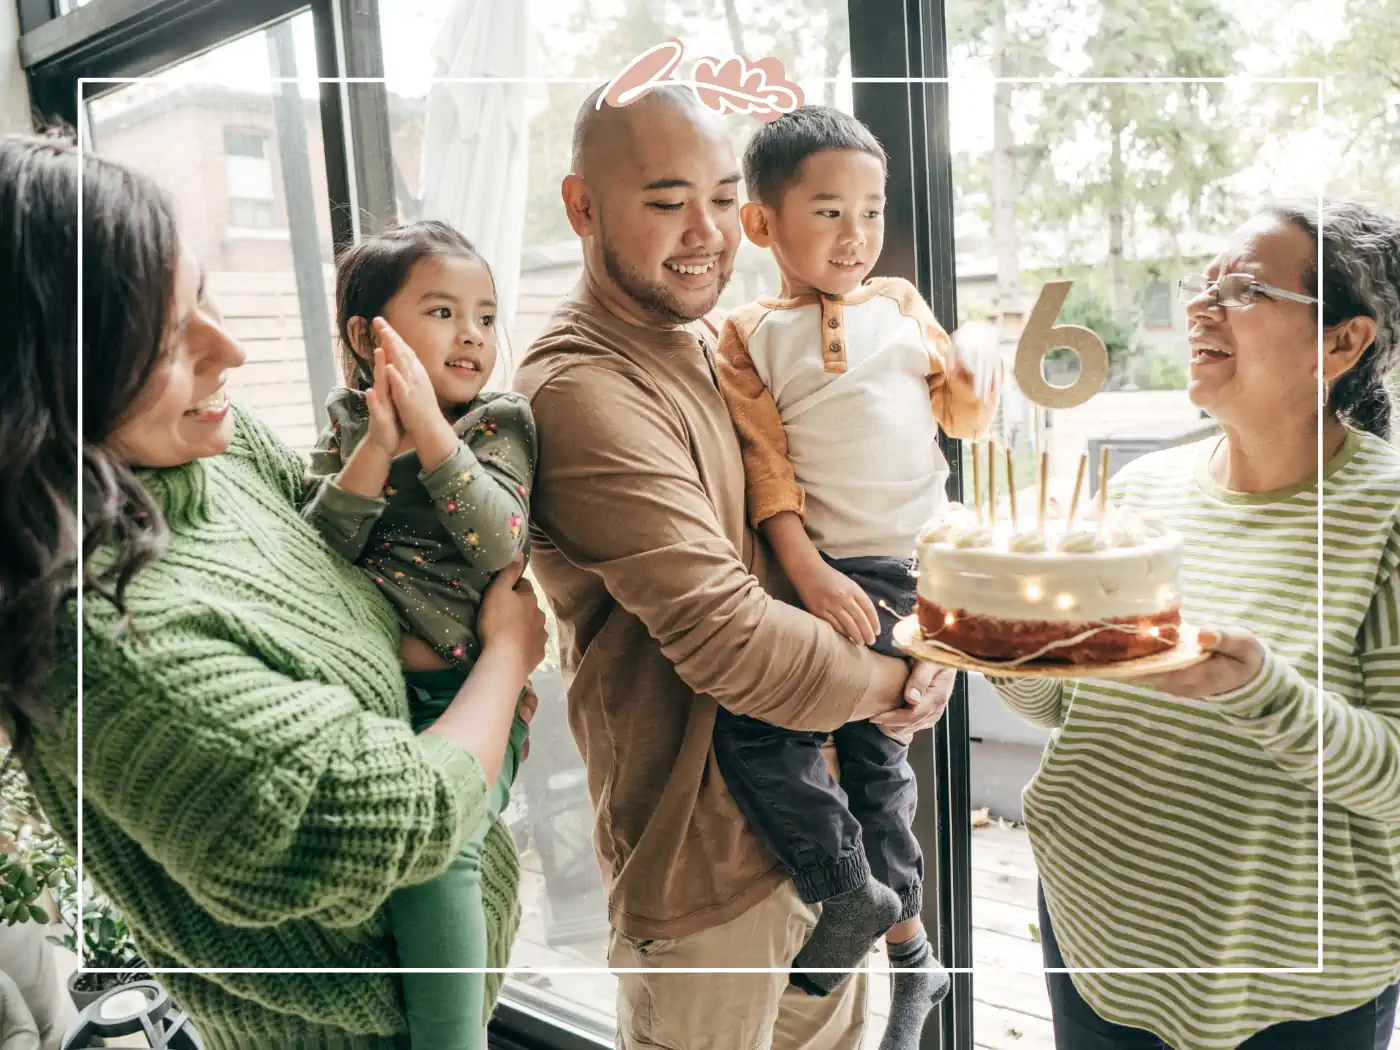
x=1186, y=653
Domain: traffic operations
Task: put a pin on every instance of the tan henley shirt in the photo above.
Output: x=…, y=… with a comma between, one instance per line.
x=662, y=595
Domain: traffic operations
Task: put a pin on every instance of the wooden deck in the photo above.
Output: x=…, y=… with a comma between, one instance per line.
x=1010, y=1010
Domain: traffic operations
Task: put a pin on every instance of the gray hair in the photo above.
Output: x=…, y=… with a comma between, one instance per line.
x=1360, y=278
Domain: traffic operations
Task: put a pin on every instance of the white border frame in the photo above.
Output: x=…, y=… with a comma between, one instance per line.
x=1317, y=82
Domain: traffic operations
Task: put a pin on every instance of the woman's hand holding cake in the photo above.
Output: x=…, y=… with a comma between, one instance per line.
x=1236, y=659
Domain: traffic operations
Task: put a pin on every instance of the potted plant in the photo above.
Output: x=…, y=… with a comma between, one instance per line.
x=38, y=876
x=107, y=945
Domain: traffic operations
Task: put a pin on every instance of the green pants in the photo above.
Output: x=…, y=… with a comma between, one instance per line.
x=442, y=923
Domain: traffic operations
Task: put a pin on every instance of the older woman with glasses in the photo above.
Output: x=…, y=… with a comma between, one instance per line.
x=1177, y=820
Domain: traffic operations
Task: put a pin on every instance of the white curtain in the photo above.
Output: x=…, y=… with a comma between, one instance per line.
x=476, y=139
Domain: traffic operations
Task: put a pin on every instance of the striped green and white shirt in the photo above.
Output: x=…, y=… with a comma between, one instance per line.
x=1183, y=833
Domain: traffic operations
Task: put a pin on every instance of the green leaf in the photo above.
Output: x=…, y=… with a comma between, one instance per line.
x=38, y=914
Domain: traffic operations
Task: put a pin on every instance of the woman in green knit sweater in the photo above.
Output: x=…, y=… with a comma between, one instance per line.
x=1177, y=821
x=252, y=791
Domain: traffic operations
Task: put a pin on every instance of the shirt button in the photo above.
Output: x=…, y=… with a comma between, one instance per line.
x=833, y=323
x=835, y=346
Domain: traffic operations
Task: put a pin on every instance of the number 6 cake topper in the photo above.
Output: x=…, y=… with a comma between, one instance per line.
x=732, y=85
x=1041, y=336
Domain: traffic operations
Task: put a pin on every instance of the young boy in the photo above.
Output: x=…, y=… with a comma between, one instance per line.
x=838, y=390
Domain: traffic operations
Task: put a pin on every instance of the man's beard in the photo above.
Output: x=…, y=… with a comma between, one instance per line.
x=652, y=296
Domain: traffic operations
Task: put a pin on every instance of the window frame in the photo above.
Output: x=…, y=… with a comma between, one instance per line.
x=908, y=38
x=136, y=38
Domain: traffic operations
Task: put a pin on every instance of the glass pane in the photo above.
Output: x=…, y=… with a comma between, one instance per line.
x=1122, y=188
x=242, y=161
x=512, y=210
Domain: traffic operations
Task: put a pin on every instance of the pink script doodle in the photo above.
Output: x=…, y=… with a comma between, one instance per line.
x=732, y=85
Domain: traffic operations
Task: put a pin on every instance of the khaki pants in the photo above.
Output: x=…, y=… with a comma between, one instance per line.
x=733, y=1011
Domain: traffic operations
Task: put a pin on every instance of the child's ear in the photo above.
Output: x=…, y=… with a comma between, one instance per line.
x=361, y=339
x=754, y=217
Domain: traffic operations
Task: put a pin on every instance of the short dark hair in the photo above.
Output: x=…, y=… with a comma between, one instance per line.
x=775, y=153
x=370, y=273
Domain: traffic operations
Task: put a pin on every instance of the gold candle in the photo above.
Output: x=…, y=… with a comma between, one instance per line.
x=1103, y=484
x=992, y=483
x=1044, y=491
x=977, y=479
x=1011, y=486
x=1078, y=486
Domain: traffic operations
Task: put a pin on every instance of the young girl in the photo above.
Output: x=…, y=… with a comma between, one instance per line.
x=424, y=479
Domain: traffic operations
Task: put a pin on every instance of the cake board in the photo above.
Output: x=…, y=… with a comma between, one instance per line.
x=1186, y=653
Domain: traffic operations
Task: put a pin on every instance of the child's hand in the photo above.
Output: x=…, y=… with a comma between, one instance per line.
x=975, y=352
x=412, y=390
x=839, y=601
x=385, y=430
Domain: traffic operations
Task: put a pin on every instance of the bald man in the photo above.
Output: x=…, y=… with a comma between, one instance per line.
x=668, y=603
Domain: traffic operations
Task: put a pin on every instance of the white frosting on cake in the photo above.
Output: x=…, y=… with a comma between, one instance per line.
x=1130, y=566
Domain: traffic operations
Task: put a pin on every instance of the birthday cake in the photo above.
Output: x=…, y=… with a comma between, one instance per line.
x=1097, y=593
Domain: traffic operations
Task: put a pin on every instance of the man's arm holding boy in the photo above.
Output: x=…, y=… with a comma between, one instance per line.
x=619, y=495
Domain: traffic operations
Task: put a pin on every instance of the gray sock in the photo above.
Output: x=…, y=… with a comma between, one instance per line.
x=915, y=992
x=850, y=924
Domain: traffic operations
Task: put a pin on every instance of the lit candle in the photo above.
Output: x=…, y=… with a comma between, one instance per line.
x=977, y=480
x=1044, y=492
x=1078, y=485
x=992, y=483
x=1011, y=486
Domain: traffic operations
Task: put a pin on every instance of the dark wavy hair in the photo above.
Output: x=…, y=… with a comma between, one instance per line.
x=1360, y=278
x=130, y=253
x=370, y=273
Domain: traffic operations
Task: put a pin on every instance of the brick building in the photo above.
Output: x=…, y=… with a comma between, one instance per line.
x=215, y=151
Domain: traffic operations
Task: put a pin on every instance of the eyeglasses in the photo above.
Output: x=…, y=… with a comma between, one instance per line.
x=1234, y=289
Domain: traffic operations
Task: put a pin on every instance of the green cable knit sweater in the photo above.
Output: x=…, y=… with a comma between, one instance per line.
x=251, y=789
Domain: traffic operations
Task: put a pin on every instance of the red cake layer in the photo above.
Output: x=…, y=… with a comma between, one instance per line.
x=993, y=638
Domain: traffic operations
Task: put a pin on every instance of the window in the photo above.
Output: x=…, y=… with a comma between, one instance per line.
x=250, y=214
x=248, y=164
x=227, y=149
x=245, y=144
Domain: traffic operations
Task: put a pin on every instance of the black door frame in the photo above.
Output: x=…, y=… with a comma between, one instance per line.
x=907, y=38
x=889, y=39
